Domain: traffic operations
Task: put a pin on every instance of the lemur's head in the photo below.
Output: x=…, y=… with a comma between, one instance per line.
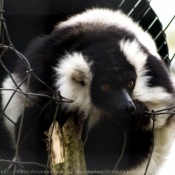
x=113, y=79
x=108, y=64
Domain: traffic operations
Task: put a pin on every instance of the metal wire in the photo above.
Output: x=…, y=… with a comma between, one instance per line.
x=152, y=148
x=122, y=152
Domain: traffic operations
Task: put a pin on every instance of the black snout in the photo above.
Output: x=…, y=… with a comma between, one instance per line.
x=127, y=106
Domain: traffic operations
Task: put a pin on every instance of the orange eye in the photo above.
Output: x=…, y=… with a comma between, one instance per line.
x=105, y=87
x=130, y=84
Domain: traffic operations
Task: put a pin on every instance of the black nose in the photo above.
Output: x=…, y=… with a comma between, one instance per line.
x=129, y=108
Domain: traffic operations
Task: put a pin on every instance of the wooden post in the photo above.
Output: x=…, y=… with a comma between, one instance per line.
x=67, y=150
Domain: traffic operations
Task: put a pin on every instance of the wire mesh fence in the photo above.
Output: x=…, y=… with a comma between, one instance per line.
x=139, y=10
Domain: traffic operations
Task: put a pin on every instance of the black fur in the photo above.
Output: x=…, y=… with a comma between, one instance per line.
x=159, y=78
x=103, y=155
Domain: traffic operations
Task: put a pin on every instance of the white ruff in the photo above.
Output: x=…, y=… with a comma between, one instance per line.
x=106, y=17
x=15, y=106
x=73, y=69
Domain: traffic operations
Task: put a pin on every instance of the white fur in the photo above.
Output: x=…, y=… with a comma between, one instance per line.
x=163, y=141
x=15, y=106
x=156, y=98
x=106, y=17
x=71, y=64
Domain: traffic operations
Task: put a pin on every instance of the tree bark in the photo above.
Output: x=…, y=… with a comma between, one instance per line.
x=66, y=149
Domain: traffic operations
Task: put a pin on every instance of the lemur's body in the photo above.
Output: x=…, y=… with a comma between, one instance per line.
x=110, y=68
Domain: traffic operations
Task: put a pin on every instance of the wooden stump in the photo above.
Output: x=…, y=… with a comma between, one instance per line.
x=66, y=149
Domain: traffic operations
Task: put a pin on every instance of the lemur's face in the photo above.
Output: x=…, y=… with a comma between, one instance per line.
x=111, y=91
x=113, y=79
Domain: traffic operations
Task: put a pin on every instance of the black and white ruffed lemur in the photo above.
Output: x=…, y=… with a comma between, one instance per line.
x=109, y=67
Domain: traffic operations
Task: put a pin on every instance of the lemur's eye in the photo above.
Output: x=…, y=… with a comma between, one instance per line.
x=130, y=84
x=105, y=87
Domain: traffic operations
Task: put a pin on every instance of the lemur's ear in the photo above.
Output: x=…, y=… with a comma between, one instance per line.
x=74, y=69
x=73, y=79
